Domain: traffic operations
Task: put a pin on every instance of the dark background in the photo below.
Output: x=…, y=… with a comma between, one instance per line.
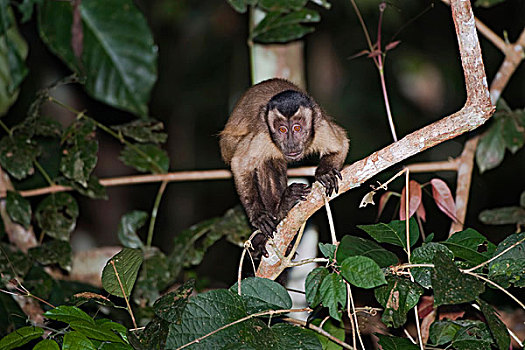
x=203, y=68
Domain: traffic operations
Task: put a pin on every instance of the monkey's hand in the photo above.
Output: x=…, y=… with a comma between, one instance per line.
x=328, y=178
x=266, y=223
x=292, y=195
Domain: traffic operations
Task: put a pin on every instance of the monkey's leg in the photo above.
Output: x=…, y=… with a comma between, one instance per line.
x=294, y=193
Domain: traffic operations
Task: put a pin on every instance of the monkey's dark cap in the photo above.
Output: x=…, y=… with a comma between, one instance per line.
x=288, y=102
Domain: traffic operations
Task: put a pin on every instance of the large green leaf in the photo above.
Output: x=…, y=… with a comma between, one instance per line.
x=362, y=272
x=170, y=307
x=126, y=263
x=491, y=147
x=312, y=284
x=17, y=153
x=388, y=342
x=13, y=52
x=212, y=310
x=119, y=56
x=353, y=246
x=471, y=246
x=20, y=337
x=76, y=341
x=450, y=285
x=425, y=255
x=397, y=297
x=46, y=344
x=393, y=232
x=146, y=158
x=332, y=293
x=261, y=294
x=57, y=215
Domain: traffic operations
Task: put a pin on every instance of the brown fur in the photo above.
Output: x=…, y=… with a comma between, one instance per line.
x=257, y=163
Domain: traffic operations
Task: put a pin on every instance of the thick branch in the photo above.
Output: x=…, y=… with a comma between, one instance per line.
x=476, y=111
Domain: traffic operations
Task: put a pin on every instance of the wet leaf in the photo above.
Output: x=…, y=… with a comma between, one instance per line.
x=79, y=151
x=126, y=263
x=443, y=198
x=491, y=147
x=450, y=285
x=146, y=158
x=57, y=215
x=425, y=255
x=18, y=208
x=143, y=130
x=17, y=154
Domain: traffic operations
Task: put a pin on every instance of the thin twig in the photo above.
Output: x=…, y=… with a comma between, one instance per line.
x=308, y=261
x=124, y=294
x=354, y=314
x=497, y=286
x=330, y=221
x=263, y=313
x=154, y=212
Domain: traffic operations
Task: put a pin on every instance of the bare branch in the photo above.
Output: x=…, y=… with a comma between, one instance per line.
x=476, y=111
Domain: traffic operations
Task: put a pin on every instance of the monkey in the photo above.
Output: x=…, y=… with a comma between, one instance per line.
x=275, y=123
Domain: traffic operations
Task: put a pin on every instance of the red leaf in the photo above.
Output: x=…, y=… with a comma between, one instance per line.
x=359, y=54
x=382, y=202
x=392, y=45
x=443, y=198
x=374, y=53
x=414, y=200
x=425, y=306
x=421, y=212
x=451, y=315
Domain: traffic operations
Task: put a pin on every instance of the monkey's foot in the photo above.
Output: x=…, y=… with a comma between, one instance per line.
x=292, y=195
x=329, y=179
x=266, y=223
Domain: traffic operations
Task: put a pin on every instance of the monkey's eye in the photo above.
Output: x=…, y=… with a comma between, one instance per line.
x=283, y=129
x=297, y=127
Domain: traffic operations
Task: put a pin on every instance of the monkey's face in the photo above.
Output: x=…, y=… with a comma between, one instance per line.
x=291, y=135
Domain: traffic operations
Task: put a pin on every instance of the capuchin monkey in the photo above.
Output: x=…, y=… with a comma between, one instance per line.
x=275, y=123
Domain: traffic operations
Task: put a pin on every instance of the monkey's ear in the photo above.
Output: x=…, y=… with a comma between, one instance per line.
x=273, y=118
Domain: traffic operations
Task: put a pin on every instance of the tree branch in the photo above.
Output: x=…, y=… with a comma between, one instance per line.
x=477, y=109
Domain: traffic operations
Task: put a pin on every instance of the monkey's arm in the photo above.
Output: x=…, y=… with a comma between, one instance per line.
x=332, y=144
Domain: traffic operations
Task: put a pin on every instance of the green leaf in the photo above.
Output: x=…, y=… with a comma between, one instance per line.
x=312, y=285
x=152, y=337
x=283, y=34
x=94, y=189
x=474, y=335
x=450, y=285
x=127, y=229
x=353, y=246
x=238, y=5
x=509, y=268
x=425, y=255
x=393, y=232
x=491, y=147
x=126, y=263
x=146, y=130
x=53, y=252
x=397, y=297
x=503, y=216
x=336, y=329
x=13, y=316
x=13, y=52
x=274, y=20
x=388, y=342
x=332, y=293
x=172, y=305
x=13, y=263
x=68, y=314
x=76, y=341
x=57, y=215
x=101, y=329
x=20, y=337
x=442, y=332
x=79, y=151
x=47, y=344
x=513, y=133
x=327, y=249
x=261, y=294
x=323, y=3
x=282, y=5
x=26, y=8
x=471, y=246
x=362, y=272
x=17, y=154
x=18, y=208
x=212, y=310
x=119, y=57
x=497, y=328
x=146, y=158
